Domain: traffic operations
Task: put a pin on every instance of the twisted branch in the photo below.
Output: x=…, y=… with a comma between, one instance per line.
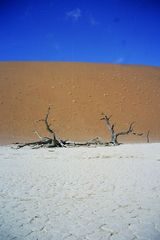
x=114, y=135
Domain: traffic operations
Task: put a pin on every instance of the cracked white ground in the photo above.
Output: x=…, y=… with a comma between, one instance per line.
x=80, y=193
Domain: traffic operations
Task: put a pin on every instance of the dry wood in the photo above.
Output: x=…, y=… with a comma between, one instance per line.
x=52, y=141
x=113, y=133
x=148, y=139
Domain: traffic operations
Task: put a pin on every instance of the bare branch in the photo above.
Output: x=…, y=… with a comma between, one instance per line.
x=106, y=117
x=130, y=130
x=48, y=125
x=108, y=124
x=46, y=122
x=137, y=134
x=37, y=133
x=113, y=125
x=36, y=143
x=148, y=133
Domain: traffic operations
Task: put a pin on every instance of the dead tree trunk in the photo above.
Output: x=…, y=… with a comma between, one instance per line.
x=114, y=134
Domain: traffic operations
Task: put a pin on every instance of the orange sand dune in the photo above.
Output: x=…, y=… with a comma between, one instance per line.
x=79, y=93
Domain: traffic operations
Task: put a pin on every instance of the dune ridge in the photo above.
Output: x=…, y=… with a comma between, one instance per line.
x=78, y=94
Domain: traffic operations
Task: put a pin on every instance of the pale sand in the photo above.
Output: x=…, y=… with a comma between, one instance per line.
x=103, y=193
x=79, y=93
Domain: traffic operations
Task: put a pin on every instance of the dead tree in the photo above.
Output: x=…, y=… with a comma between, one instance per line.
x=114, y=134
x=52, y=141
x=148, y=133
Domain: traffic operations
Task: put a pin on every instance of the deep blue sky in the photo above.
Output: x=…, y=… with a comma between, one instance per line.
x=115, y=31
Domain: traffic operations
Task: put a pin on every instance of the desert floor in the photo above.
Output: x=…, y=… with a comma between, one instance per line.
x=80, y=193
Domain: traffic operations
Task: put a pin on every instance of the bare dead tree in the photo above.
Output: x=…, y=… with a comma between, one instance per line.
x=52, y=141
x=55, y=141
x=113, y=133
x=148, y=133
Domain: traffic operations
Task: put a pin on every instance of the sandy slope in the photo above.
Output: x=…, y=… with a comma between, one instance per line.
x=79, y=92
x=107, y=193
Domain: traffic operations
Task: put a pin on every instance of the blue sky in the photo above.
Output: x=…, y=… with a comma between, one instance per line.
x=105, y=31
